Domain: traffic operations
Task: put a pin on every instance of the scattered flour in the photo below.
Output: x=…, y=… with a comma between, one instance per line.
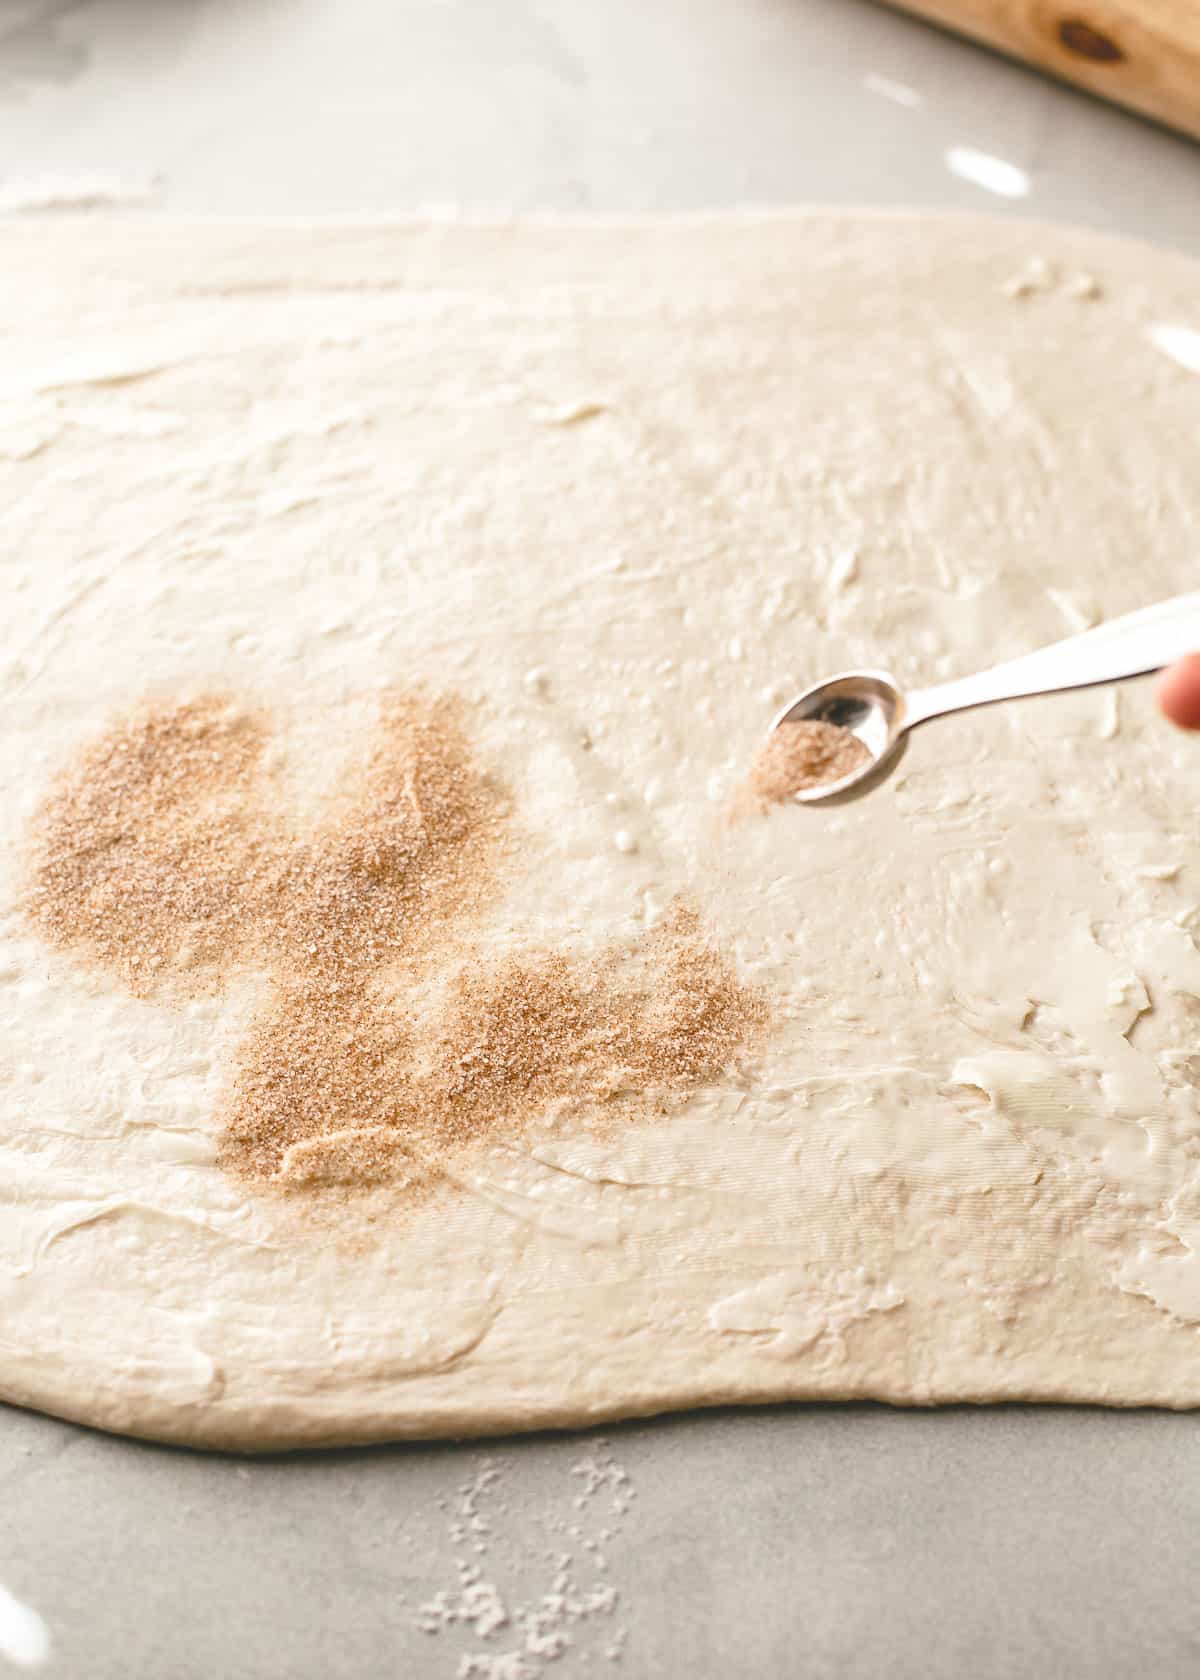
x=517, y=1636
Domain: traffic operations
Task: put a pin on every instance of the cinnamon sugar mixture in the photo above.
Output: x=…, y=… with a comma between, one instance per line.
x=160, y=857
x=804, y=755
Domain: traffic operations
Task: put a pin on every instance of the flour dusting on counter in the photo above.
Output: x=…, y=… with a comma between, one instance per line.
x=510, y=1632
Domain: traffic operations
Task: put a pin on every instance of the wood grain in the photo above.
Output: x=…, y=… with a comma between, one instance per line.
x=1141, y=53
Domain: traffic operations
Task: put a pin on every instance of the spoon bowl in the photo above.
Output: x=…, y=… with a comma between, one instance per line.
x=870, y=705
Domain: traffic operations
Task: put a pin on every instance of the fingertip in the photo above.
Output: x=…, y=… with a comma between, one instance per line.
x=1179, y=692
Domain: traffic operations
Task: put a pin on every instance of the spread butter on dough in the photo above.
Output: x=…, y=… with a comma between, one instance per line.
x=398, y=1039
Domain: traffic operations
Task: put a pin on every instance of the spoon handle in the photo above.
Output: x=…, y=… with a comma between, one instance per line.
x=1131, y=646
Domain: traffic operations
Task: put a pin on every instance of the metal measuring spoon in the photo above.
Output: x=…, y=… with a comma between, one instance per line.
x=873, y=706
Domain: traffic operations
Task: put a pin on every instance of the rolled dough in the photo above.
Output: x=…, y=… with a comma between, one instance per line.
x=921, y=1125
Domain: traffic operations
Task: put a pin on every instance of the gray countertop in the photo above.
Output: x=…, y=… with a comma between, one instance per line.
x=799, y=1542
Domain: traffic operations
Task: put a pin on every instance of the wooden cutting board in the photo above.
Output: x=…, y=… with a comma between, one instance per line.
x=1141, y=53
